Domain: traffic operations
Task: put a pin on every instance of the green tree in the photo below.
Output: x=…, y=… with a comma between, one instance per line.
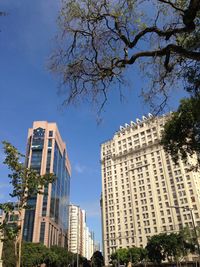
x=101, y=39
x=121, y=256
x=155, y=250
x=64, y=257
x=181, y=136
x=25, y=182
x=85, y=262
x=97, y=259
x=8, y=253
x=137, y=255
x=134, y=255
x=33, y=254
x=169, y=247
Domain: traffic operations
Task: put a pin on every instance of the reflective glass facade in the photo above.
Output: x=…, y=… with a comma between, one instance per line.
x=46, y=153
x=36, y=158
x=60, y=190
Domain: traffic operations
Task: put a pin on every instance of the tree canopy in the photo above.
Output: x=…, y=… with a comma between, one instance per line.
x=181, y=136
x=97, y=259
x=168, y=247
x=25, y=183
x=124, y=255
x=36, y=254
x=8, y=253
x=100, y=39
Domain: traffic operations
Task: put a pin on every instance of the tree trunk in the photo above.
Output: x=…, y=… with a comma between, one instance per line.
x=19, y=241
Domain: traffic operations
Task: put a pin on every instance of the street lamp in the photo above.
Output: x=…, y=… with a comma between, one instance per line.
x=193, y=223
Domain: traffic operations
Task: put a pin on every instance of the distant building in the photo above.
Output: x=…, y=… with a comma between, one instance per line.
x=89, y=243
x=47, y=220
x=97, y=246
x=140, y=184
x=74, y=234
x=80, y=238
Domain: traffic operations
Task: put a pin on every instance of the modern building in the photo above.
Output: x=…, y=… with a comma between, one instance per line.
x=47, y=219
x=80, y=240
x=143, y=192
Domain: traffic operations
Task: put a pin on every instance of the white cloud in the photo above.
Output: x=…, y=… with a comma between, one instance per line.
x=79, y=168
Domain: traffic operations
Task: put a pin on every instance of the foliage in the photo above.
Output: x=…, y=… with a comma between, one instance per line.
x=8, y=253
x=25, y=182
x=192, y=79
x=134, y=255
x=85, y=262
x=9, y=230
x=100, y=39
x=137, y=254
x=33, y=254
x=97, y=259
x=181, y=136
x=63, y=257
x=168, y=247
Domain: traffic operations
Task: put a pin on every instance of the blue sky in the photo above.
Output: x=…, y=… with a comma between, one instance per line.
x=29, y=92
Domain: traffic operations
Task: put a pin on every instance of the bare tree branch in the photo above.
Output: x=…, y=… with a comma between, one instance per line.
x=172, y=4
x=101, y=38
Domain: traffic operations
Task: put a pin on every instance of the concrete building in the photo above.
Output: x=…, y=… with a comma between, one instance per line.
x=97, y=246
x=89, y=243
x=140, y=184
x=80, y=238
x=47, y=220
x=74, y=239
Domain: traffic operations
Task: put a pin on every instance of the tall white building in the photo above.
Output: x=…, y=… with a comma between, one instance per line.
x=80, y=238
x=74, y=229
x=140, y=183
x=89, y=244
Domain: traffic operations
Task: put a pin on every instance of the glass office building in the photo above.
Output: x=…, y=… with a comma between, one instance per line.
x=46, y=220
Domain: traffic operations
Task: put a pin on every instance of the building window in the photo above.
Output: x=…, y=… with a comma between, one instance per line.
x=42, y=231
x=50, y=133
